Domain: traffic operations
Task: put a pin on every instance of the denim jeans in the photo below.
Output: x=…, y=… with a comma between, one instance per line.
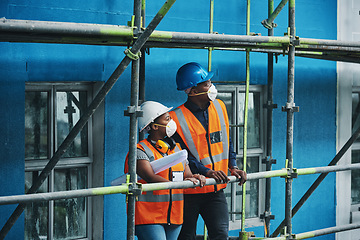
x=213, y=209
x=157, y=232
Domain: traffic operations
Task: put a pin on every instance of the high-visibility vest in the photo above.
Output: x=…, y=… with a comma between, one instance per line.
x=210, y=147
x=160, y=206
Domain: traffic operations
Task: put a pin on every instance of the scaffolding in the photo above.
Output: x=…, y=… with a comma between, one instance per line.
x=139, y=39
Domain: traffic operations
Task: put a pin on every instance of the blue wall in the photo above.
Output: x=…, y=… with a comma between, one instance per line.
x=315, y=91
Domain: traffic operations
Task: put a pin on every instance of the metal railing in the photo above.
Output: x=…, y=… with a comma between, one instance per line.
x=134, y=189
x=115, y=35
x=137, y=188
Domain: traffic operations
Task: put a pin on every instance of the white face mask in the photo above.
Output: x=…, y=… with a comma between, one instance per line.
x=171, y=128
x=212, y=92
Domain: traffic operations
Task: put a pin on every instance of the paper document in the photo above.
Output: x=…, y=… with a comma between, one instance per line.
x=158, y=165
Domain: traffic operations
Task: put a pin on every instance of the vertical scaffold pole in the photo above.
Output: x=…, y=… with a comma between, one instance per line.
x=142, y=66
x=134, y=104
x=245, y=121
x=210, y=50
x=270, y=107
x=290, y=107
x=211, y=30
x=135, y=69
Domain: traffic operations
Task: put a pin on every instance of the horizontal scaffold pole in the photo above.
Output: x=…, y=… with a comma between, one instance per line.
x=12, y=30
x=312, y=234
x=326, y=53
x=305, y=235
x=335, y=43
x=326, y=231
x=124, y=189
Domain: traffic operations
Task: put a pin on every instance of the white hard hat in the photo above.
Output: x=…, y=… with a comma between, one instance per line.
x=151, y=110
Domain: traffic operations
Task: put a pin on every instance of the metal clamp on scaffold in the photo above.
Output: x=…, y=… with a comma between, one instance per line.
x=268, y=160
x=270, y=105
x=290, y=174
x=132, y=55
x=268, y=25
x=290, y=107
x=267, y=215
x=133, y=110
x=284, y=234
x=136, y=30
x=296, y=41
x=133, y=188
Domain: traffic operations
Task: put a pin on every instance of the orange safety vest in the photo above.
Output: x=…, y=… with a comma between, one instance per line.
x=210, y=148
x=160, y=206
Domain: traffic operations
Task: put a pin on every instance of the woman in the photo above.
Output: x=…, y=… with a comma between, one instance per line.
x=159, y=214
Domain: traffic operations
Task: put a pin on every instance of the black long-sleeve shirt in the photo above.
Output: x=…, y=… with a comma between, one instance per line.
x=203, y=116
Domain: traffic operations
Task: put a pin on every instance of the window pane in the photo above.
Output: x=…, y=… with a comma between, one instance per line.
x=36, y=213
x=70, y=220
x=355, y=179
x=70, y=106
x=253, y=128
x=355, y=113
x=36, y=125
x=252, y=192
x=229, y=99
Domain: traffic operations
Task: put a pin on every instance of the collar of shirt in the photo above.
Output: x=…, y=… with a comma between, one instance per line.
x=200, y=114
x=193, y=107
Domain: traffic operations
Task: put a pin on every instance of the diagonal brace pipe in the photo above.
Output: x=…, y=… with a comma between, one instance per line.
x=99, y=98
x=317, y=182
x=269, y=23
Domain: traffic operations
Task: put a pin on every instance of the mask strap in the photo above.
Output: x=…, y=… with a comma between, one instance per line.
x=161, y=125
x=196, y=94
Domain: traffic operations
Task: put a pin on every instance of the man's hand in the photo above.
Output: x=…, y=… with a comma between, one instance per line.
x=197, y=178
x=239, y=174
x=219, y=176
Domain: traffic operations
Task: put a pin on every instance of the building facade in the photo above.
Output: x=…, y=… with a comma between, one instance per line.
x=45, y=88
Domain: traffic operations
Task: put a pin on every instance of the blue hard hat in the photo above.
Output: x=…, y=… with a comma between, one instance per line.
x=190, y=75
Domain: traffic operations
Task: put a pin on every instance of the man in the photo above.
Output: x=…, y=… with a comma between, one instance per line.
x=203, y=129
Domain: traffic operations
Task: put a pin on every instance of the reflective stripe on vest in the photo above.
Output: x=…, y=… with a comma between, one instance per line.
x=150, y=197
x=150, y=154
x=159, y=206
x=190, y=141
x=148, y=151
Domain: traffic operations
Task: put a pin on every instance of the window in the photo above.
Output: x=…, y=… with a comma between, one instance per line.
x=234, y=98
x=355, y=158
x=51, y=111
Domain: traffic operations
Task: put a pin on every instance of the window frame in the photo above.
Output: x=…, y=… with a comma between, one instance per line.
x=259, y=152
x=354, y=208
x=95, y=154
